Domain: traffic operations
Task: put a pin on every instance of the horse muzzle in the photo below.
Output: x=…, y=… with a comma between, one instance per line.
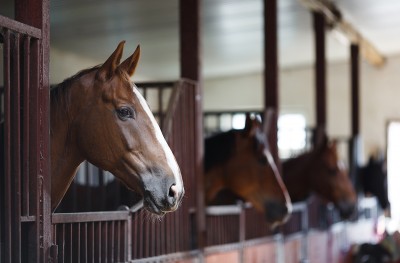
x=276, y=212
x=346, y=209
x=162, y=195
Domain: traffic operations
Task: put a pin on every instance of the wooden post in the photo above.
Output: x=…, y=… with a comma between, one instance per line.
x=320, y=71
x=190, y=61
x=271, y=94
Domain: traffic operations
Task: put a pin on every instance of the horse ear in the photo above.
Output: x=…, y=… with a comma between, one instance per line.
x=108, y=68
x=248, y=124
x=252, y=126
x=129, y=65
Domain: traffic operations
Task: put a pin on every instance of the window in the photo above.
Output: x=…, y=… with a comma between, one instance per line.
x=291, y=135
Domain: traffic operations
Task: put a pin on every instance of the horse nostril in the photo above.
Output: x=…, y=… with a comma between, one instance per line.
x=172, y=194
x=172, y=191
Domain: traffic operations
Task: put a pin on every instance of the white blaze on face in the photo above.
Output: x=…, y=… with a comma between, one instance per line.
x=168, y=153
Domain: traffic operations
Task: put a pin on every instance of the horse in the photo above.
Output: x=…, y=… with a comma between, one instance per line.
x=320, y=171
x=99, y=115
x=373, y=180
x=240, y=161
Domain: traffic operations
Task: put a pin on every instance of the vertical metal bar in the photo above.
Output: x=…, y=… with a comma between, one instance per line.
x=25, y=142
x=78, y=250
x=85, y=259
x=320, y=69
x=99, y=240
x=16, y=148
x=119, y=240
x=63, y=243
x=71, y=243
x=34, y=149
x=113, y=241
x=105, y=241
x=128, y=246
x=36, y=13
x=7, y=148
x=92, y=242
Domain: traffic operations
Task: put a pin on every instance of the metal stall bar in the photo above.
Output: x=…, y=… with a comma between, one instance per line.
x=7, y=231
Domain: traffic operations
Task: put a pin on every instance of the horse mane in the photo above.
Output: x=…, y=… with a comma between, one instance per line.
x=218, y=149
x=59, y=94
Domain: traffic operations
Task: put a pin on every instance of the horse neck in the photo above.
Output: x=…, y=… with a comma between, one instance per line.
x=65, y=156
x=296, y=176
x=218, y=149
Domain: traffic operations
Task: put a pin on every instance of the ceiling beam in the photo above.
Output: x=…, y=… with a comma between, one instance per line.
x=336, y=22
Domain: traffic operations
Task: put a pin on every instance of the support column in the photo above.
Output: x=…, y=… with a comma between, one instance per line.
x=355, y=90
x=320, y=71
x=190, y=61
x=355, y=112
x=271, y=92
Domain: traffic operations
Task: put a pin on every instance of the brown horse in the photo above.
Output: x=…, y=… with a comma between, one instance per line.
x=98, y=115
x=320, y=171
x=240, y=161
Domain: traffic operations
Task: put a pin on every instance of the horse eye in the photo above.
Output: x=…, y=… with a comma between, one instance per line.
x=125, y=113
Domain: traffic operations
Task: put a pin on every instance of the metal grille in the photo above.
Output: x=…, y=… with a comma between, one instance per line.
x=21, y=178
x=92, y=237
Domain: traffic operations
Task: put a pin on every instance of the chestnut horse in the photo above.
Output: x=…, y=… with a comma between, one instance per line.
x=240, y=161
x=320, y=171
x=99, y=115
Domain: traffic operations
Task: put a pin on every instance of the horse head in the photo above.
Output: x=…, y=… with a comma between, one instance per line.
x=111, y=126
x=249, y=171
x=373, y=179
x=330, y=179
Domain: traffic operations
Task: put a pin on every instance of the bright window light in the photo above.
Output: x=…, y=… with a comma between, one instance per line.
x=238, y=121
x=291, y=134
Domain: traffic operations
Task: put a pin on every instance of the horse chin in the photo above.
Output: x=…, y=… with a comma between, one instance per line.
x=152, y=207
x=346, y=209
x=276, y=213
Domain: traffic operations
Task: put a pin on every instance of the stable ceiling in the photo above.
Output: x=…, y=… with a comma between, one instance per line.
x=232, y=32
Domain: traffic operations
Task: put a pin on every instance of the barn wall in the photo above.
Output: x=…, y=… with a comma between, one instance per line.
x=66, y=64
x=379, y=97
